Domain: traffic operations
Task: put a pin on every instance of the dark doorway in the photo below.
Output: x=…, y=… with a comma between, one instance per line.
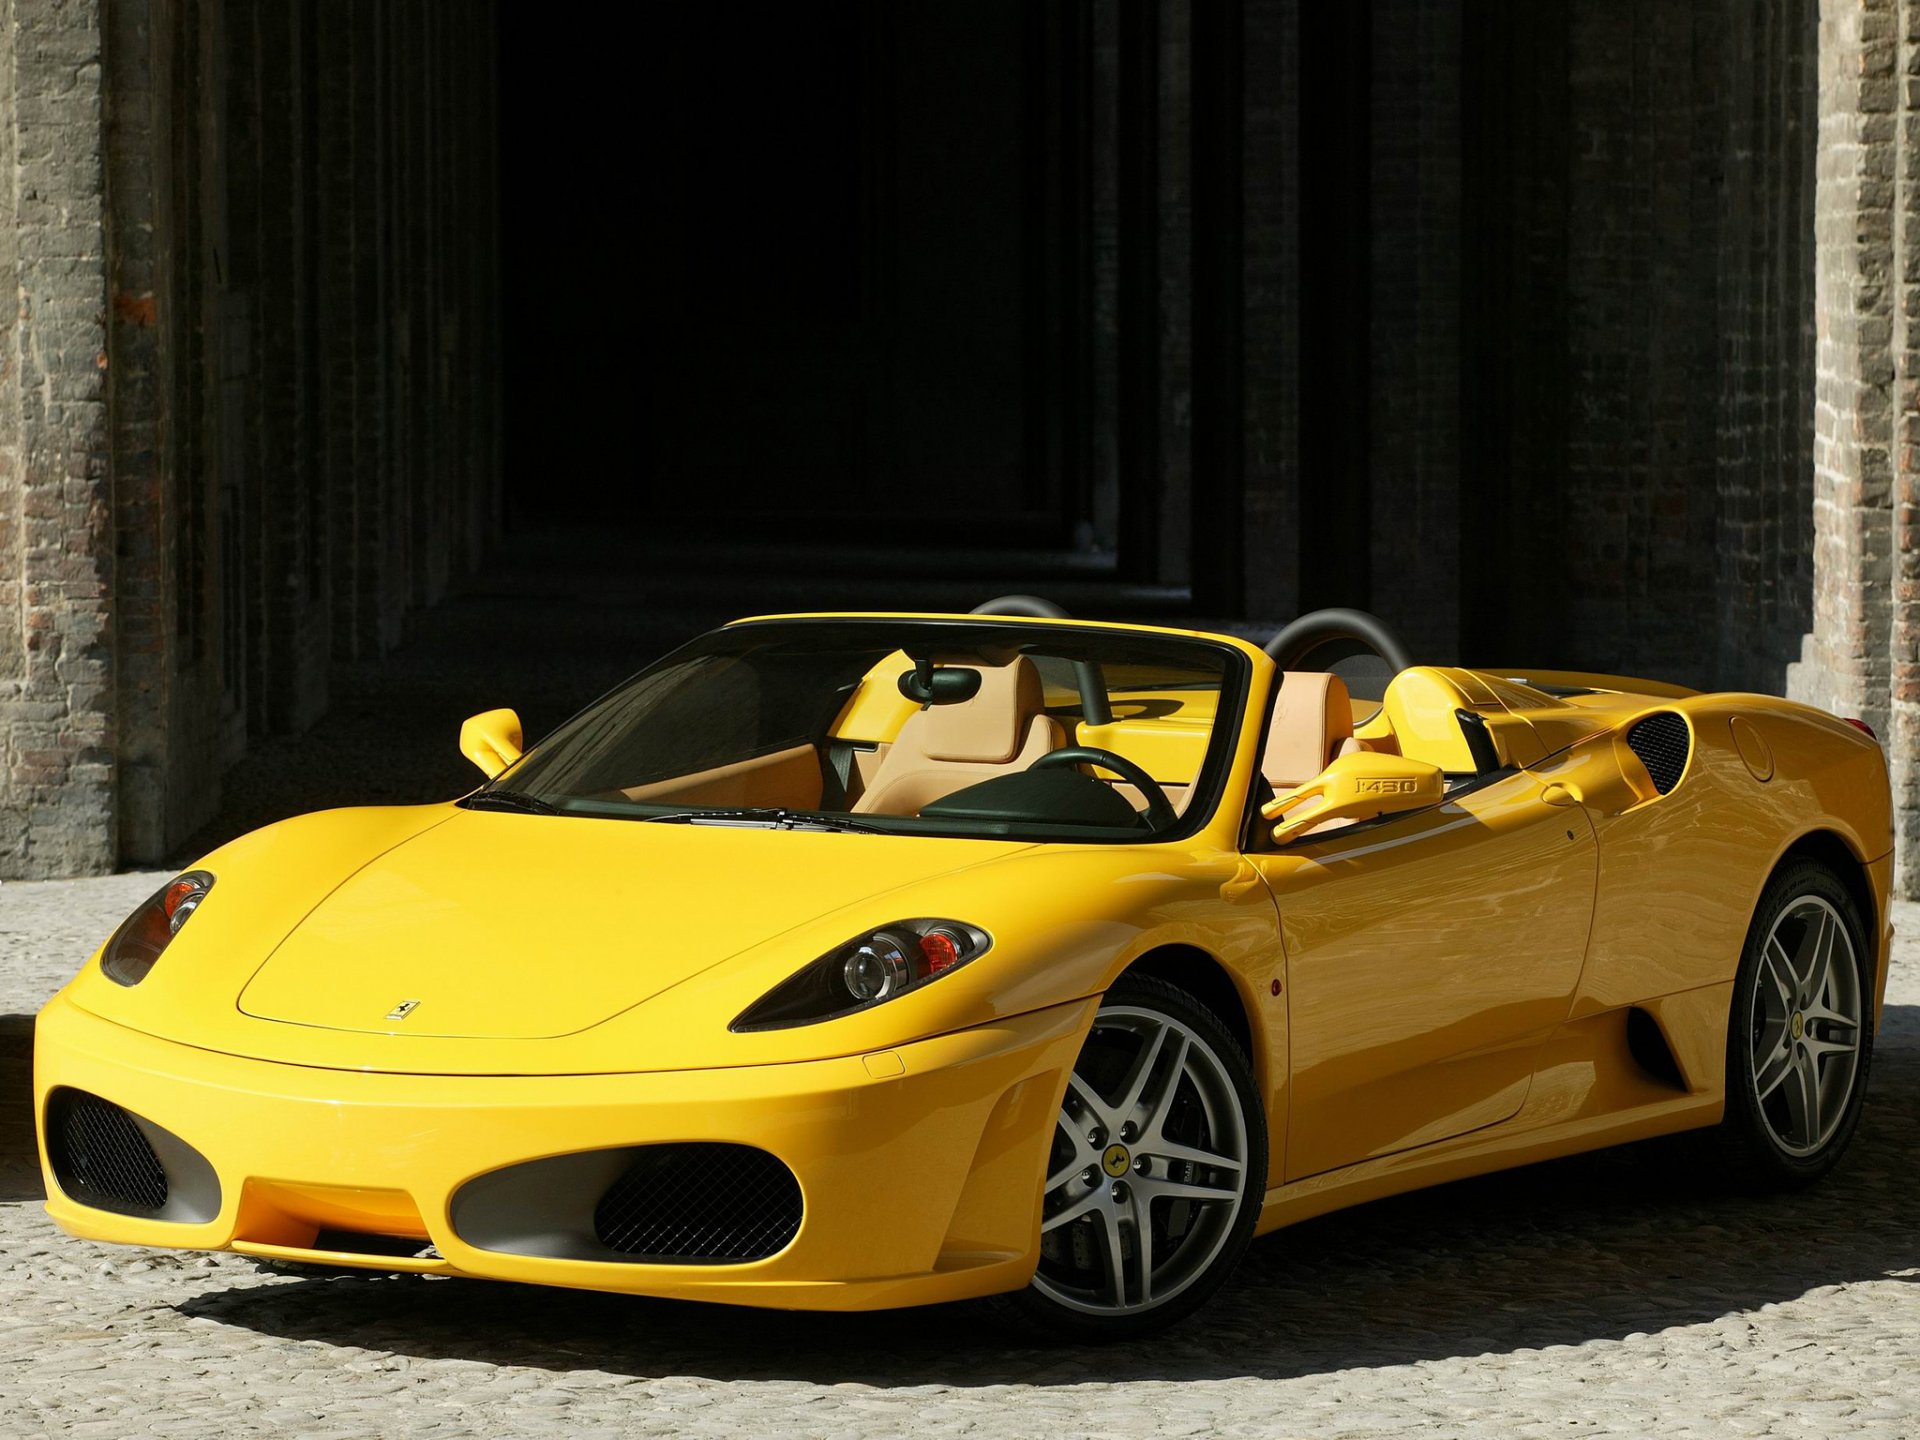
x=800, y=271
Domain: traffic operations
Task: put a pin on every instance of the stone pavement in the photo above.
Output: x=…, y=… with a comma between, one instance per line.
x=1601, y=1296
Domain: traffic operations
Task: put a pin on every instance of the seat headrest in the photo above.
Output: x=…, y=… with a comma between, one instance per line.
x=1312, y=717
x=991, y=728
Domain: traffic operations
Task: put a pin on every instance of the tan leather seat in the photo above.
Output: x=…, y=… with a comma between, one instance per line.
x=1312, y=726
x=944, y=748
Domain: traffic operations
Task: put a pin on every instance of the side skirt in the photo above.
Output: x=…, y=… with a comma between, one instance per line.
x=1589, y=1092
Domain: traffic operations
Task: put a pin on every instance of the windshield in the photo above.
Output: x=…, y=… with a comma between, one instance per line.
x=947, y=727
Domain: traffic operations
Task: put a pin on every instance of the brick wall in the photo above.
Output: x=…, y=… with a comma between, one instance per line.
x=1846, y=661
x=1862, y=653
x=56, y=552
x=1859, y=655
x=1643, y=265
x=1637, y=336
x=247, y=409
x=1903, y=718
x=178, y=721
x=1763, y=568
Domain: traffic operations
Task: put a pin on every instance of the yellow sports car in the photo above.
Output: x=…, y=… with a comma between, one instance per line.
x=854, y=961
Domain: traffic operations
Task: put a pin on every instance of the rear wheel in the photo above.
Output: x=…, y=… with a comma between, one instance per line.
x=1801, y=1031
x=1158, y=1165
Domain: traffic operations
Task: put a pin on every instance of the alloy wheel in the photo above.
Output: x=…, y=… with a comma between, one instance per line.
x=1147, y=1175
x=1804, y=1026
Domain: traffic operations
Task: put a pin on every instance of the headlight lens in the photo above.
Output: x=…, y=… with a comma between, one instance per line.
x=145, y=933
x=868, y=970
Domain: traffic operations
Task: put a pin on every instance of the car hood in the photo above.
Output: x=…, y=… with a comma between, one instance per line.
x=646, y=940
x=505, y=926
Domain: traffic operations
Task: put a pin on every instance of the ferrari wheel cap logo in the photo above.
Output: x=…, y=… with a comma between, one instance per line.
x=1799, y=1025
x=1115, y=1161
x=403, y=1009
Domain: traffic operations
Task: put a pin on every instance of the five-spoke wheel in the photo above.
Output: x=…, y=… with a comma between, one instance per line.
x=1801, y=1033
x=1156, y=1171
x=1804, y=1030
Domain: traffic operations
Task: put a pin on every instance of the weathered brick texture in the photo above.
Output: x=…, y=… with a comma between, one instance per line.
x=1862, y=653
x=56, y=552
x=1845, y=664
x=1903, y=672
x=1763, y=570
x=247, y=408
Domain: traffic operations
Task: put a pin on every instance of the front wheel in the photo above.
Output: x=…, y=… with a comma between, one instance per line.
x=1800, y=1037
x=1158, y=1166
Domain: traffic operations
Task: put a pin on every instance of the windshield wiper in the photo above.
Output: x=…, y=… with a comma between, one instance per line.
x=770, y=816
x=516, y=800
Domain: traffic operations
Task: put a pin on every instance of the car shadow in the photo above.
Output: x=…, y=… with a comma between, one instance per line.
x=19, y=1165
x=1594, y=1247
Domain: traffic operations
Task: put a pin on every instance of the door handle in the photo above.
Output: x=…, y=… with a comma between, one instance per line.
x=1562, y=792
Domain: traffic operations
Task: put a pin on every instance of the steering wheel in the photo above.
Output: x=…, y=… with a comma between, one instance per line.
x=1339, y=630
x=1159, y=808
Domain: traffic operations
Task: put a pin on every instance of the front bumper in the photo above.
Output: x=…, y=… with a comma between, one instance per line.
x=920, y=1167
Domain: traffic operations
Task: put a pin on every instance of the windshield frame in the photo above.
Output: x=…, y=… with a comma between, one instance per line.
x=1212, y=781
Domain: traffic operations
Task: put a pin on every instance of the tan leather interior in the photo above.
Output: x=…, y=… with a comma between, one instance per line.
x=789, y=777
x=1312, y=726
x=866, y=768
x=1177, y=795
x=943, y=748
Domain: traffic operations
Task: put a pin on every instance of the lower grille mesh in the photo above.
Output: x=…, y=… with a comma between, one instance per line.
x=1662, y=744
x=100, y=1157
x=702, y=1203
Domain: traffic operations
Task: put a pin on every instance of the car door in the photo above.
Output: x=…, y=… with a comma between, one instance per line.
x=1427, y=957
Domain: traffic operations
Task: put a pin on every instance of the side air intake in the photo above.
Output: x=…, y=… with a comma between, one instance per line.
x=1662, y=743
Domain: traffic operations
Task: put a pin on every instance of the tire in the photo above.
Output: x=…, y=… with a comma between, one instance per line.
x=1185, y=1163
x=1800, y=1033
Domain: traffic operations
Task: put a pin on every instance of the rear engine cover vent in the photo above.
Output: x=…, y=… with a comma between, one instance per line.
x=1662, y=743
x=700, y=1203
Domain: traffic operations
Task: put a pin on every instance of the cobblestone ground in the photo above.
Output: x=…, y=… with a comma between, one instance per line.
x=1599, y=1296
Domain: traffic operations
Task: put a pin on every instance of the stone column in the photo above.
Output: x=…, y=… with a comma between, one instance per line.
x=56, y=532
x=1844, y=663
x=1864, y=399
x=1903, y=700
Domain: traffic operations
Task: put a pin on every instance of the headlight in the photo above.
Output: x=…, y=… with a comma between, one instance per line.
x=145, y=933
x=868, y=970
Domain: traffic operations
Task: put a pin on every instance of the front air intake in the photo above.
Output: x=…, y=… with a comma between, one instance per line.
x=675, y=1203
x=1662, y=743
x=100, y=1157
x=106, y=1157
x=700, y=1203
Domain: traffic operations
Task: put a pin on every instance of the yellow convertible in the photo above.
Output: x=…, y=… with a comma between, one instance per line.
x=854, y=961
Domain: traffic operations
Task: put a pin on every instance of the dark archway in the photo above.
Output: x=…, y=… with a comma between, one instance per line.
x=811, y=271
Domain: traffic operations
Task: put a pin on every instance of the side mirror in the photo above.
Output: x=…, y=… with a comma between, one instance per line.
x=1360, y=786
x=491, y=740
